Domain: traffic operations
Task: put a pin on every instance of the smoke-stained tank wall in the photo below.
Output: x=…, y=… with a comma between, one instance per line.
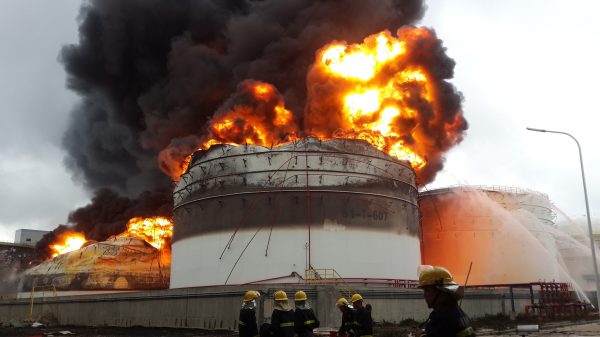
x=250, y=213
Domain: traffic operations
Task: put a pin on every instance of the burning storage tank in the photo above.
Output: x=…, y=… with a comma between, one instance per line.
x=507, y=233
x=120, y=263
x=250, y=213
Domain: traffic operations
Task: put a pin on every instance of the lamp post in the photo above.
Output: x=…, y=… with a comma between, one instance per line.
x=587, y=209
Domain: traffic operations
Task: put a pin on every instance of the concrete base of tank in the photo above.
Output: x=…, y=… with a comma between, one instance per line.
x=218, y=307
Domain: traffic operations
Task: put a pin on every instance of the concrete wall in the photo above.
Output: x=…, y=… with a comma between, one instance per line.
x=218, y=307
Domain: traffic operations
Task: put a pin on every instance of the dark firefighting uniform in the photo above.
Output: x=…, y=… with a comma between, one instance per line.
x=247, y=325
x=305, y=322
x=282, y=323
x=363, y=323
x=449, y=321
x=347, y=323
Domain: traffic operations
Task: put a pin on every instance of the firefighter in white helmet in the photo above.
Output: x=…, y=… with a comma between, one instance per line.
x=442, y=294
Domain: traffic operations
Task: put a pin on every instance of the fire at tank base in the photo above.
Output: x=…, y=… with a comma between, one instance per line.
x=122, y=263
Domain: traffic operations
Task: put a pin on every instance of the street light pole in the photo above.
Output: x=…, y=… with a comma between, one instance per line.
x=587, y=209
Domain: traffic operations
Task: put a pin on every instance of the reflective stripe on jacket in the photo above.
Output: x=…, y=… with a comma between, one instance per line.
x=282, y=323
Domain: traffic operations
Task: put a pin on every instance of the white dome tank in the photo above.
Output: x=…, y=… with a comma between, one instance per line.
x=248, y=214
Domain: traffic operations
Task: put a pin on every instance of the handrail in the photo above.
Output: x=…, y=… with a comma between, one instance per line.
x=48, y=287
x=327, y=276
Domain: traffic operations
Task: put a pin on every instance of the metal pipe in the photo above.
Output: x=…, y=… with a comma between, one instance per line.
x=308, y=201
x=587, y=209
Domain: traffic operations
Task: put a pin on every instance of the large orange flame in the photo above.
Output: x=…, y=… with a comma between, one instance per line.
x=157, y=230
x=257, y=116
x=381, y=91
x=67, y=242
x=390, y=91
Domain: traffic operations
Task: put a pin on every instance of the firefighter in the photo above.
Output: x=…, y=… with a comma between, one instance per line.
x=282, y=319
x=247, y=325
x=442, y=294
x=363, y=322
x=306, y=320
x=347, y=327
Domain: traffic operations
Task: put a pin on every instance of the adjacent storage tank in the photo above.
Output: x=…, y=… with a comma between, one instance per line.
x=115, y=264
x=505, y=232
x=253, y=214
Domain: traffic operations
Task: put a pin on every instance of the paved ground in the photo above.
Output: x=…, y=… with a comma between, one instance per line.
x=572, y=330
x=111, y=332
x=584, y=329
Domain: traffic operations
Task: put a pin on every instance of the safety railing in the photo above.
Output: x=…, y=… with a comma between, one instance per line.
x=38, y=288
x=328, y=276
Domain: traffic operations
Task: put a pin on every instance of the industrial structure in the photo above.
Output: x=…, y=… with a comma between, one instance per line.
x=504, y=232
x=329, y=217
x=252, y=214
x=116, y=264
x=29, y=236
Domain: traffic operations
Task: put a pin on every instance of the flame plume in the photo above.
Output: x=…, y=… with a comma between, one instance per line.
x=256, y=114
x=390, y=91
x=67, y=242
x=387, y=91
x=157, y=230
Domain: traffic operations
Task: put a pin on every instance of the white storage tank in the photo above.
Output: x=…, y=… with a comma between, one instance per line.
x=248, y=214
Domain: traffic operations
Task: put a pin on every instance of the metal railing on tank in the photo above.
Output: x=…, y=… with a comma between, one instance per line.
x=327, y=276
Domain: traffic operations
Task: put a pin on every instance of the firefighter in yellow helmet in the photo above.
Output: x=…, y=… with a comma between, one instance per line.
x=247, y=324
x=347, y=327
x=363, y=322
x=442, y=294
x=306, y=320
x=282, y=318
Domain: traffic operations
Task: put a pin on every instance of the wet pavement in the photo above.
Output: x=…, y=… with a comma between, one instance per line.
x=581, y=329
x=550, y=330
x=111, y=332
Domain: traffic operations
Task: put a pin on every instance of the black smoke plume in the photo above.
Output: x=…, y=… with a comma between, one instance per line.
x=152, y=72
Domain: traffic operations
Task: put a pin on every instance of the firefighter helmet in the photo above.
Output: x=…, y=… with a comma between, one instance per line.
x=280, y=295
x=300, y=296
x=341, y=302
x=436, y=276
x=251, y=295
x=356, y=297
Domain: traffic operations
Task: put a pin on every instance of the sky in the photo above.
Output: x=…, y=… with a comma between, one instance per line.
x=518, y=64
